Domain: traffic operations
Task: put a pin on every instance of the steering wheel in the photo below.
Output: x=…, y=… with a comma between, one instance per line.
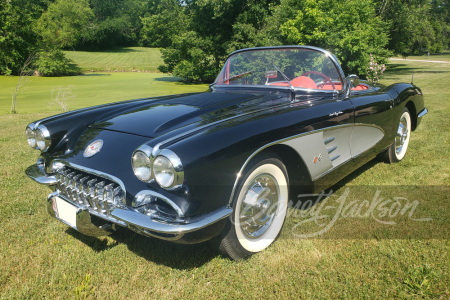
x=325, y=77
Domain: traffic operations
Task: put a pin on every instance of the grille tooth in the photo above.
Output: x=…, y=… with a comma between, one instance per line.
x=90, y=192
x=118, y=196
x=69, y=184
x=98, y=199
x=82, y=187
x=108, y=197
x=99, y=194
x=76, y=191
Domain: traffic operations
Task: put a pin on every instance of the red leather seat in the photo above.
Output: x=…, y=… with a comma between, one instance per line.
x=304, y=82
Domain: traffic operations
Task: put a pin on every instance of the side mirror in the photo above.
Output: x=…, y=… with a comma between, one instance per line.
x=352, y=81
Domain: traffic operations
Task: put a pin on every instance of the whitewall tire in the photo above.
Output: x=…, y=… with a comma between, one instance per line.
x=397, y=150
x=259, y=210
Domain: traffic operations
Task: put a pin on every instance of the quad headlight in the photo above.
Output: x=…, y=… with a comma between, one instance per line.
x=142, y=166
x=165, y=167
x=31, y=137
x=164, y=171
x=38, y=138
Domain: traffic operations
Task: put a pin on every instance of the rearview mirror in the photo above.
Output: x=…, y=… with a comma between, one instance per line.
x=352, y=82
x=270, y=74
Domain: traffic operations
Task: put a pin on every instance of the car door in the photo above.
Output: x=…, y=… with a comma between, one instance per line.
x=373, y=121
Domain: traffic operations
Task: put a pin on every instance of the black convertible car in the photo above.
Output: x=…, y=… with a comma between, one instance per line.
x=278, y=121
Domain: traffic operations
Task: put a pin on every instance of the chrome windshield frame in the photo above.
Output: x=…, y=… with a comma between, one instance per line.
x=328, y=54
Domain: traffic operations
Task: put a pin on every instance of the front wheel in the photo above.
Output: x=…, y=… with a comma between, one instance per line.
x=397, y=151
x=259, y=210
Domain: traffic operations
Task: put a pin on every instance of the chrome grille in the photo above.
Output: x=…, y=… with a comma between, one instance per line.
x=99, y=194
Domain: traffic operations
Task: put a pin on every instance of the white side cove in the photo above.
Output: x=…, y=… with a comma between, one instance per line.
x=364, y=138
x=324, y=150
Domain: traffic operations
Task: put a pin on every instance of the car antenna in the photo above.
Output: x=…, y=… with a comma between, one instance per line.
x=412, y=76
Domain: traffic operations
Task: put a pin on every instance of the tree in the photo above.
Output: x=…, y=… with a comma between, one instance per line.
x=116, y=23
x=416, y=26
x=349, y=29
x=167, y=19
x=17, y=39
x=214, y=28
x=64, y=23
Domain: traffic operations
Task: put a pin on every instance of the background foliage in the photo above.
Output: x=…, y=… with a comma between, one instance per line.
x=197, y=35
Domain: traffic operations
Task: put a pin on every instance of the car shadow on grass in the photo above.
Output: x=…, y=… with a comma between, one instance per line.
x=341, y=183
x=178, y=256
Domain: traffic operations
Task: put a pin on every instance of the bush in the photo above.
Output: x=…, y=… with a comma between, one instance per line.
x=53, y=63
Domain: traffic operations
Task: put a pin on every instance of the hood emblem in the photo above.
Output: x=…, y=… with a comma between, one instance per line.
x=93, y=148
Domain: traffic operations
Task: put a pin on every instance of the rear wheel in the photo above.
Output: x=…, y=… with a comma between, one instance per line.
x=397, y=151
x=259, y=210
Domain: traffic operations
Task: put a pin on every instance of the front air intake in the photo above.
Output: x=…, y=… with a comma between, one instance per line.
x=98, y=193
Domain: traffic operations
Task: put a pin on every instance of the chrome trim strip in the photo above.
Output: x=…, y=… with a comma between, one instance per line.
x=143, y=222
x=239, y=174
x=335, y=157
x=422, y=113
x=329, y=140
x=287, y=88
x=331, y=150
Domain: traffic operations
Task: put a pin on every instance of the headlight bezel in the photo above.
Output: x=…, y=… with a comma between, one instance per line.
x=147, y=152
x=38, y=137
x=154, y=154
x=176, y=166
x=31, y=135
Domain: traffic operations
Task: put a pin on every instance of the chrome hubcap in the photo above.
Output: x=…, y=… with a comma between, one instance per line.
x=259, y=205
x=402, y=135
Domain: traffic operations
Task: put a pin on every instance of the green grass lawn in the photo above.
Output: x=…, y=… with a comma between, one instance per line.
x=90, y=89
x=119, y=59
x=358, y=258
x=441, y=57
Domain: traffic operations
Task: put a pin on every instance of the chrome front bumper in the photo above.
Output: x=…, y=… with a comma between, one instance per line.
x=422, y=113
x=124, y=217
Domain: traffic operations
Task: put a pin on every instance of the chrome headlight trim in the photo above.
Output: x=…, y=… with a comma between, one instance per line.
x=177, y=166
x=31, y=135
x=153, y=154
x=145, y=151
x=43, y=139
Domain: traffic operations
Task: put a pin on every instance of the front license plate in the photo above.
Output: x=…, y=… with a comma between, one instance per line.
x=65, y=211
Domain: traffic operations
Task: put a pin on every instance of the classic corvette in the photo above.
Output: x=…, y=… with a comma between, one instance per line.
x=221, y=165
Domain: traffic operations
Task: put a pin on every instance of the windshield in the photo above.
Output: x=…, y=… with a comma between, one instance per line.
x=289, y=67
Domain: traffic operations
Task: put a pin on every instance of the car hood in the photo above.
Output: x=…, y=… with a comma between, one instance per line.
x=154, y=117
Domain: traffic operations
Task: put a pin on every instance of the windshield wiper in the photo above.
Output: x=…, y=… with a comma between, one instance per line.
x=234, y=77
x=284, y=75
